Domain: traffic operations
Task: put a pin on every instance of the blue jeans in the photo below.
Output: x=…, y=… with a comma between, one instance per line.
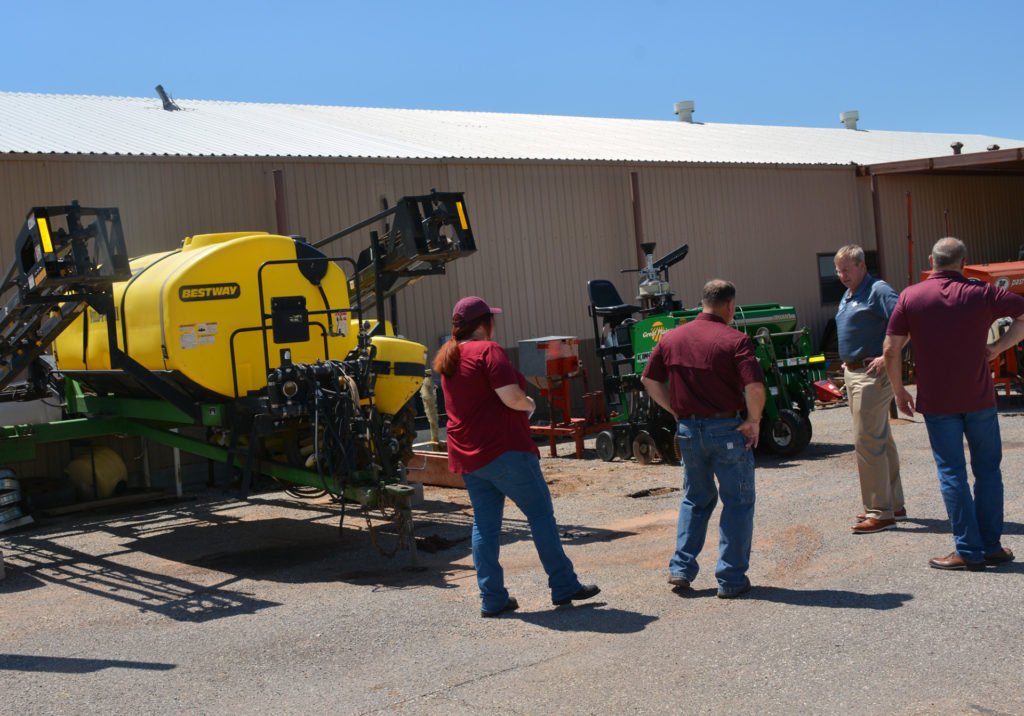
x=515, y=475
x=715, y=448
x=977, y=522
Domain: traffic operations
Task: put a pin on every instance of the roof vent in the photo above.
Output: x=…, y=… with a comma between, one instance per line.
x=956, y=147
x=168, y=102
x=849, y=119
x=684, y=110
x=993, y=147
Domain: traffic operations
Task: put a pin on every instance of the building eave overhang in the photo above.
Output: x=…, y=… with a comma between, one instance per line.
x=996, y=161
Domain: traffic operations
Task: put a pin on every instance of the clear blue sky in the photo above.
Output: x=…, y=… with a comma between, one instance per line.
x=910, y=65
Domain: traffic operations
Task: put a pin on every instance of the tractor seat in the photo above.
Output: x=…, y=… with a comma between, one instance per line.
x=606, y=302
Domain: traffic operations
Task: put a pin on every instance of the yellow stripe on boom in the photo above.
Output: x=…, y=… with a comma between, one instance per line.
x=44, y=234
x=462, y=215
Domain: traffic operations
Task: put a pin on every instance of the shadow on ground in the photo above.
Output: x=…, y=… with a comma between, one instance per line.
x=814, y=451
x=69, y=665
x=34, y=563
x=936, y=526
x=590, y=617
x=230, y=542
x=831, y=598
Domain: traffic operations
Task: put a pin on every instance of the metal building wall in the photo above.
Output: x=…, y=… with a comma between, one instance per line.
x=543, y=229
x=162, y=200
x=760, y=227
x=539, y=229
x=986, y=212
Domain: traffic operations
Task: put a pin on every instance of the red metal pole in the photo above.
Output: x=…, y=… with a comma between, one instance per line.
x=910, y=242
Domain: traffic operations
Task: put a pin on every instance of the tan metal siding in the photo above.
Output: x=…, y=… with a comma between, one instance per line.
x=758, y=227
x=986, y=212
x=161, y=200
x=543, y=229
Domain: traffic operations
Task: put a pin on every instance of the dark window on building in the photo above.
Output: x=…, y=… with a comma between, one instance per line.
x=831, y=289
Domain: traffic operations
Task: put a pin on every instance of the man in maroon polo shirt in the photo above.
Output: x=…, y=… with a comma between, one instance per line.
x=706, y=374
x=948, y=318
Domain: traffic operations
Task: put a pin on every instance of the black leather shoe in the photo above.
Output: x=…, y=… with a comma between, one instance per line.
x=510, y=606
x=953, y=560
x=585, y=592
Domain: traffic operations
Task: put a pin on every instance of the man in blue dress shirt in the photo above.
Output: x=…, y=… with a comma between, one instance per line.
x=860, y=324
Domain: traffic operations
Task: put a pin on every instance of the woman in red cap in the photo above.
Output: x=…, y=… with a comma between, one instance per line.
x=489, y=444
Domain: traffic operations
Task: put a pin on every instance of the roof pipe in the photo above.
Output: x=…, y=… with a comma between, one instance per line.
x=169, y=104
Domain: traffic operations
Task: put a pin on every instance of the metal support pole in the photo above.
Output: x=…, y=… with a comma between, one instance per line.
x=147, y=476
x=280, y=209
x=378, y=280
x=876, y=210
x=638, y=220
x=177, y=468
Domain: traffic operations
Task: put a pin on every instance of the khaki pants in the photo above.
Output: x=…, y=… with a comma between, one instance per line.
x=878, y=462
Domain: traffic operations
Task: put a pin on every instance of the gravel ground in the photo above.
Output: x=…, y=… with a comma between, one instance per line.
x=216, y=606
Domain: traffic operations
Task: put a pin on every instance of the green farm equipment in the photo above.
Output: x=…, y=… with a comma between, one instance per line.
x=627, y=333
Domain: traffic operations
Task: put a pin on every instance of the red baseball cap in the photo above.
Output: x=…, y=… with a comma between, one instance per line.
x=470, y=308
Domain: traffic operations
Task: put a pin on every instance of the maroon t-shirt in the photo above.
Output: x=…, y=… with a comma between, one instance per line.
x=481, y=428
x=947, y=318
x=709, y=364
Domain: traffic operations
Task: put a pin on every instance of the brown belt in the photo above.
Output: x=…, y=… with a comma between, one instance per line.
x=858, y=364
x=730, y=414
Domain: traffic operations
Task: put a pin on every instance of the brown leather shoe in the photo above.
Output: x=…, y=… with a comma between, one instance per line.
x=1001, y=557
x=953, y=560
x=872, y=525
x=900, y=515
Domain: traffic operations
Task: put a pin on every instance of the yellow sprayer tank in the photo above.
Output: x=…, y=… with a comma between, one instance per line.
x=198, y=312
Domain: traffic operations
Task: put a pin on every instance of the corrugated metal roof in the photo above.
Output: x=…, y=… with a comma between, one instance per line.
x=77, y=124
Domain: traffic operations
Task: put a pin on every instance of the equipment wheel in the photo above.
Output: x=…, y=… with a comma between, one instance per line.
x=802, y=406
x=606, y=445
x=787, y=435
x=644, y=449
